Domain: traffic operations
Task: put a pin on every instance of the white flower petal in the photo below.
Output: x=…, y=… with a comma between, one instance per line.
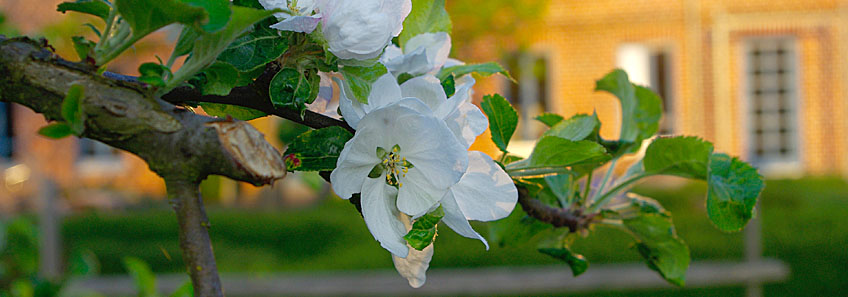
x=381, y=217
x=426, y=88
x=414, y=63
x=399, y=9
x=304, y=24
x=418, y=195
x=456, y=220
x=352, y=110
x=414, y=266
x=356, y=160
x=384, y=91
x=467, y=122
x=436, y=45
x=485, y=192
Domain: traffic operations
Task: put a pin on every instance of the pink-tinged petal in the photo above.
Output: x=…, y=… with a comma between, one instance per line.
x=414, y=266
x=485, y=192
x=381, y=216
x=456, y=220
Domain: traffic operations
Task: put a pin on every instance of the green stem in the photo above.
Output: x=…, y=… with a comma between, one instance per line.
x=587, y=188
x=606, y=179
x=113, y=13
x=615, y=190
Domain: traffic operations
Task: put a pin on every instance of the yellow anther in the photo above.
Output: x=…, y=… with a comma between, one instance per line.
x=405, y=170
x=400, y=185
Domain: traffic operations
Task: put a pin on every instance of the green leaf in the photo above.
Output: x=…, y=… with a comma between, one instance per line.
x=552, y=151
x=186, y=290
x=427, y=16
x=484, y=69
x=658, y=244
x=83, y=262
x=56, y=130
x=290, y=89
x=256, y=48
x=561, y=186
x=146, y=16
x=641, y=109
x=424, y=229
x=549, y=119
x=98, y=8
x=83, y=47
x=218, y=13
x=576, y=261
x=358, y=80
x=237, y=112
x=733, y=190
x=502, y=119
x=72, y=108
x=220, y=79
x=515, y=229
x=209, y=45
x=145, y=280
x=683, y=156
x=317, y=150
x=153, y=74
x=578, y=127
x=185, y=43
x=448, y=84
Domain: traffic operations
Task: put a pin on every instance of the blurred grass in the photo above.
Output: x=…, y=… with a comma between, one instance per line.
x=804, y=223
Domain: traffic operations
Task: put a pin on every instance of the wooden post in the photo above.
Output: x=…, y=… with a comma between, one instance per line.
x=48, y=223
x=754, y=251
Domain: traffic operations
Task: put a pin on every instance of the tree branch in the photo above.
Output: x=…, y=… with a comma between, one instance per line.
x=194, y=237
x=575, y=219
x=180, y=146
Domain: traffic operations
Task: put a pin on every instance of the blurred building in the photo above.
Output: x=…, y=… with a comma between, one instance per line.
x=764, y=80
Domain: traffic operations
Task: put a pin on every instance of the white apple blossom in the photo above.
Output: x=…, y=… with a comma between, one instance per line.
x=461, y=116
x=423, y=54
x=361, y=29
x=401, y=159
x=298, y=17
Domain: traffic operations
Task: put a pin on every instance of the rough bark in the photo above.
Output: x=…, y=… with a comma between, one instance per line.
x=180, y=146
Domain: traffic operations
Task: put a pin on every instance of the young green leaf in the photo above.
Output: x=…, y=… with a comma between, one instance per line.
x=317, y=150
x=424, y=229
x=145, y=280
x=658, y=244
x=549, y=119
x=641, y=109
x=561, y=186
x=578, y=127
x=576, y=261
x=146, y=16
x=552, y=151
x=256, y=48
x=72, y=108
x=153, y=74
x=427, y=16
x=733, y=190
x=209, y=45
x=516, y=229
x=290, y=89
x=220, y=79
x=448, y=84
x=83, y=47
x=56, y=130
x=502, y=119
x=679, y=156
x=484, y=69
x=358, y=80
x=218, y=13
x=237, y=112
x=98, y=8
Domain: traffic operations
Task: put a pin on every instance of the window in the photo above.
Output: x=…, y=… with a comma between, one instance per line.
x=91, y=149
x=652, y=68
x=772, y=99
x=529, y=96
x=97, y=159
x=7, y=144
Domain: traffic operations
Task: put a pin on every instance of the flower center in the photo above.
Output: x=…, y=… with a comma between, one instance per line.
x=393, y=166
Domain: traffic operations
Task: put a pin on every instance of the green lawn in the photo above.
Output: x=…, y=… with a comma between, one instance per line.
x=805, y=224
